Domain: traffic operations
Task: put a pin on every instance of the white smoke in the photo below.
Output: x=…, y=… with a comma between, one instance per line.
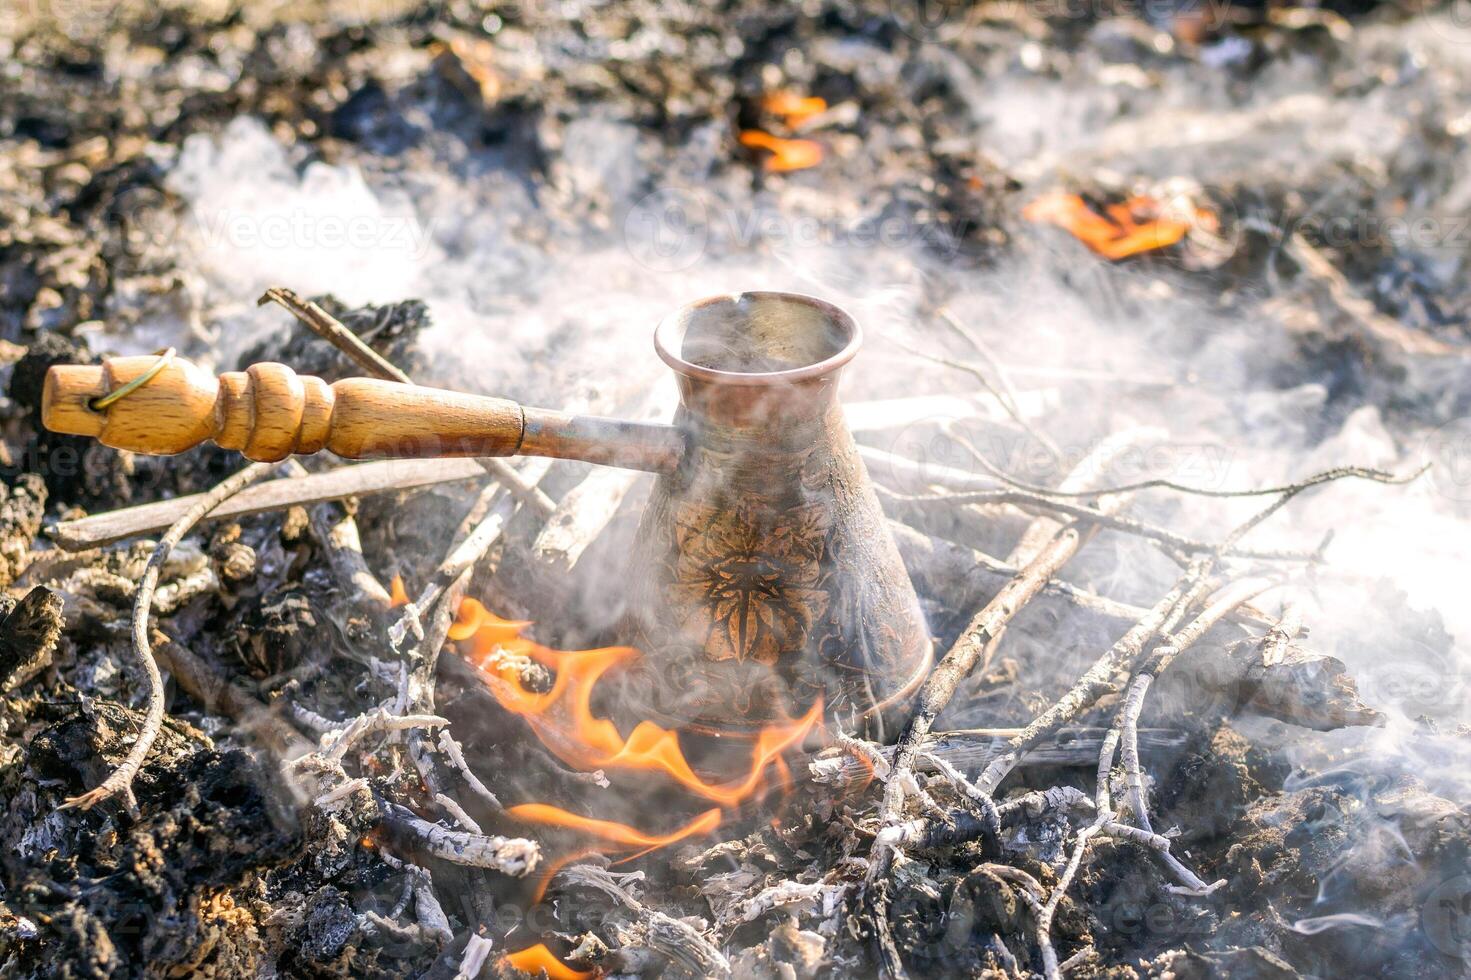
x=548, y=288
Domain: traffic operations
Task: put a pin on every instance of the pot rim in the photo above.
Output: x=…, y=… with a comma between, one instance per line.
x=669, y=332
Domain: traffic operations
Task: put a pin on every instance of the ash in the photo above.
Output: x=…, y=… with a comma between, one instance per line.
x=1182, y=249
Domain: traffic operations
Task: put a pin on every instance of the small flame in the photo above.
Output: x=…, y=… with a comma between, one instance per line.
x=536, y=960
x=786, y=154
x=397, y=595
x=1137, y=225
x=872, y=773
x=553, y=865
x=793, y=109
x=490, y=630
x=615, y=833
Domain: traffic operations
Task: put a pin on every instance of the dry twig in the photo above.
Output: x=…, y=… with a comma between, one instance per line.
x=120, y=781
x=353, y=480
x=1094, y=683
x=674, y=939
x=1162, y=656
x=1003, y=394
x=1043, y=549
x=853, y=760
x=1297, y=486
x=935, y=695
x=513, y=856
x=1040, y=504
x=330, y=329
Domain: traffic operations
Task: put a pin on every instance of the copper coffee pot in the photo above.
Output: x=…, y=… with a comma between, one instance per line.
x=763, y=576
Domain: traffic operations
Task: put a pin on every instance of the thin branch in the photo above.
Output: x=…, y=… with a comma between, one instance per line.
x=456, y=755
x=1116, y=522
x=1281, y=633
x=1094, y=683
x=936, y=693
x=1043, y=549
x=462, y=557
x=675, y=939
x=1192, y=883
x=1326, y=476
x=1160, y=659
x=940, y=686
x=509, y=855
x=331, y=329
x=966, y=750
x=1007, y=403
x=453, y=808
x=336, y=743
x=1049, y=909
x=1003, y=375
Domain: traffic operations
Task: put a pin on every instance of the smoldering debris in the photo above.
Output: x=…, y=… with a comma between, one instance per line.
x=1152, y=747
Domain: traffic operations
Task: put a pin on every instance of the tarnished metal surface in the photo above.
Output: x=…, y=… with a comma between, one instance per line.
x=765, y=576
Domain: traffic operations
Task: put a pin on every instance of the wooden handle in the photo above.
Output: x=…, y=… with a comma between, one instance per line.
x=270, y=412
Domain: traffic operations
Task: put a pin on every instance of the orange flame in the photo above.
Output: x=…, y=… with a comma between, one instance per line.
x=537, y=960
x=794, y=109
x=1127, y=228
x=396, y=594
x=564, y=721
x=473, y=619
x=786, y=154
x=615, y=833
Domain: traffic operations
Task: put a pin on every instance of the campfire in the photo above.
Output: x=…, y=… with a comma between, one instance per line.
x=733, y=492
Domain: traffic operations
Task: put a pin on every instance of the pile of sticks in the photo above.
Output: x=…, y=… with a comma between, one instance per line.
x=326, y=758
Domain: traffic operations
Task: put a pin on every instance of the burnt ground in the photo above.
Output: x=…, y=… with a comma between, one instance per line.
x=1327, y=132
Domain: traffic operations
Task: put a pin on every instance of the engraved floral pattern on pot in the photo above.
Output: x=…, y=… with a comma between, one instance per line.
x=750, y=579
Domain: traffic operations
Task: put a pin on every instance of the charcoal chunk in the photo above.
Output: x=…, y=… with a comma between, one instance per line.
x=28, y=634
x=329, y=925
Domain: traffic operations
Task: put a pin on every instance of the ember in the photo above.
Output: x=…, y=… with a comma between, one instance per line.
x=783, y=154
x=793, y=109
x=1139, y=224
